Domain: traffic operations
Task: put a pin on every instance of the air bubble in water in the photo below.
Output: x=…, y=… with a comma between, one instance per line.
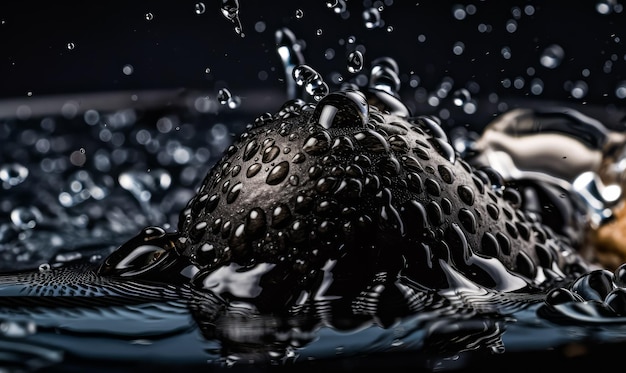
x=200, y=8
x=355, y=62
x=371, y=17
x=552, y=56
x=13, y=174
x=305, y=76
x=127, y=69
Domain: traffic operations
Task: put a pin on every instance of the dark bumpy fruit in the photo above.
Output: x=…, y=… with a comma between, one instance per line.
x=377, y=194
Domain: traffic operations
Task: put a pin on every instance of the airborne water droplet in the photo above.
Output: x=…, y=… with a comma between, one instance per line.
x=223, y=95
x=355, y=62
x=200, y=8
x=305, y=76
x=230, y=10
x=371, y=17
x=552, y=56
x=13, y=174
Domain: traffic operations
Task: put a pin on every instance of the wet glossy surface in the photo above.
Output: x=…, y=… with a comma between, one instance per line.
x=331, y=235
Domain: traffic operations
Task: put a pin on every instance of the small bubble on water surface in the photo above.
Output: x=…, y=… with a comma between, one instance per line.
x=44, y=267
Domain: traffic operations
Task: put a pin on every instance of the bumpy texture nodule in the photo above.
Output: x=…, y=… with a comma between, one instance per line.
x=382, y=193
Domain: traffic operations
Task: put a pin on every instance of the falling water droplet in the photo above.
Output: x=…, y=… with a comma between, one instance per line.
x=371, y=17
x=149, y=16
x=223, y=95
x=13, y=174
x=26, y=217
x=291, y=56
x=299, y=13
x=230, y=10
x=71, y=46
x=200, y=8
x=552, y=56
x=305, y=76
x=460, y=97
x=355, y=62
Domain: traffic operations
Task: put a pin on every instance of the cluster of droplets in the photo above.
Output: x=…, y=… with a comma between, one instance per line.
x=598, y=296
x=81, y=182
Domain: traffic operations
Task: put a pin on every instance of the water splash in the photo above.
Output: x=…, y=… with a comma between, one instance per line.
x=290, y=52
x=230, y=11
x=305, y=76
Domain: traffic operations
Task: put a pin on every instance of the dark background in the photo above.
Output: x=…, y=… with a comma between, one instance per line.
x=174, y=49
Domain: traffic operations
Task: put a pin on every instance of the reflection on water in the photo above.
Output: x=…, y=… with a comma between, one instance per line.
x=80, y=182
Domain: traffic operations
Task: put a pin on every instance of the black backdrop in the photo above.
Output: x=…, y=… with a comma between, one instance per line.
x=174, y=49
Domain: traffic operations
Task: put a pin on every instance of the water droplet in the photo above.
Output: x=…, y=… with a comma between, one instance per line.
x=127, y=69
x=281, y=216
x=278, y=173
x=200, y=8
x=13, y=174
x=552, y=56
x=230, y=10
x=44, y=267
x=26, y=217
x=253, y=169
x=317, y=143
x=342, y=109
x=71, y=46
x=234, y=193
x=371, y=17
x=579, y=89
x=291, y=56
x=355, y=62
x=299, y=13
x=460, y=97
x=305, y=76
x=149, y=16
